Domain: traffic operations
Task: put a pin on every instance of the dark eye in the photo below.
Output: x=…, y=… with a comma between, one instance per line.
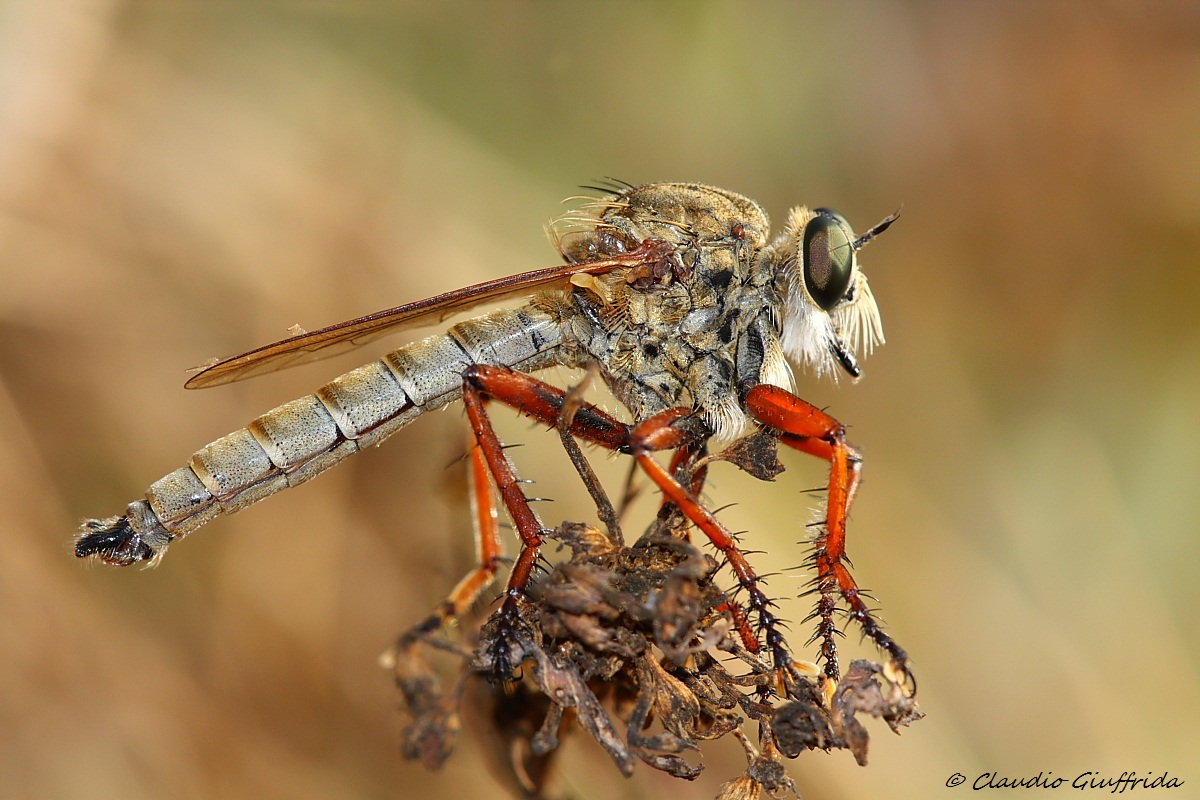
x=827, y=257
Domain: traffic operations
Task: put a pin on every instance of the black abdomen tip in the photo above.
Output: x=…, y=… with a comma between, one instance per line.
x=113, y=541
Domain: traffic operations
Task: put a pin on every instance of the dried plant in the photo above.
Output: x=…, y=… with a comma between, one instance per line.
x=641, y=648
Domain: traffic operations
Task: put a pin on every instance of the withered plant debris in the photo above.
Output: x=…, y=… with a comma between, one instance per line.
x=638, y=646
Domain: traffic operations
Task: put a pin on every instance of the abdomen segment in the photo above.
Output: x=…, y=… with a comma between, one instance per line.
x=301, y=439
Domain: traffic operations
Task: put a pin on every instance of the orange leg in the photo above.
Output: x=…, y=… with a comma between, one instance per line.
x=683, y=456
x=663, y=431
x=808, y=429
x=488, y=551
x=740, y=623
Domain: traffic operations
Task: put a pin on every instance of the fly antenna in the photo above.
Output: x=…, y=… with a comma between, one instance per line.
x=878, y=229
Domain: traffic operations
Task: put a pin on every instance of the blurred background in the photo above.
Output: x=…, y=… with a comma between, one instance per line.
x=186, y=179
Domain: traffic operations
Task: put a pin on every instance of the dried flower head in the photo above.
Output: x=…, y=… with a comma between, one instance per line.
x=638, y=646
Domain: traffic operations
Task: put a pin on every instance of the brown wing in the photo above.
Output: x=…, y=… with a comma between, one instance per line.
x=345, y=336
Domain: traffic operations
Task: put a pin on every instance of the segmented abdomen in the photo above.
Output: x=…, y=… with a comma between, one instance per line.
x=301, y=439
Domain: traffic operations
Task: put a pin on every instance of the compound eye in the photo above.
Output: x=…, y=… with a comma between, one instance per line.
x=827, y=256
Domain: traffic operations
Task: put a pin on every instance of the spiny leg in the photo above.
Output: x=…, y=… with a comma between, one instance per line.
x=722, y=539
x=529, y=527
x=810, y=430
x=488, y=551
x=432, y=729
x=663, y=431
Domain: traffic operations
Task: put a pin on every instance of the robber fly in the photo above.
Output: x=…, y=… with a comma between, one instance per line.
x=673, y=292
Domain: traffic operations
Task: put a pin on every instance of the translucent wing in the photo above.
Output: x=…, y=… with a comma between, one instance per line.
x=344, y=336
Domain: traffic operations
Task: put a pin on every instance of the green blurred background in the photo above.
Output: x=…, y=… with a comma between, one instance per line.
x=186, y=178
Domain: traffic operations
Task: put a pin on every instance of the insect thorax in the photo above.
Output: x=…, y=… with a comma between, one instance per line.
x=694, y=329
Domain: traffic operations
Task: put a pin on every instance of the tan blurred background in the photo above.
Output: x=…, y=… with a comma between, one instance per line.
x=186, y=179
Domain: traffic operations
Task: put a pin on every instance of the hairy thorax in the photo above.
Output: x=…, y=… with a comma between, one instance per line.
x=688, y=331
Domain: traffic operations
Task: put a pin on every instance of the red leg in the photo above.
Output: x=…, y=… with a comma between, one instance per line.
x=528, y=526
x=487, y=537
x=810, y=430
x=488, y=551
x=543, y=402
x=740, y=622
x=681, y=459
